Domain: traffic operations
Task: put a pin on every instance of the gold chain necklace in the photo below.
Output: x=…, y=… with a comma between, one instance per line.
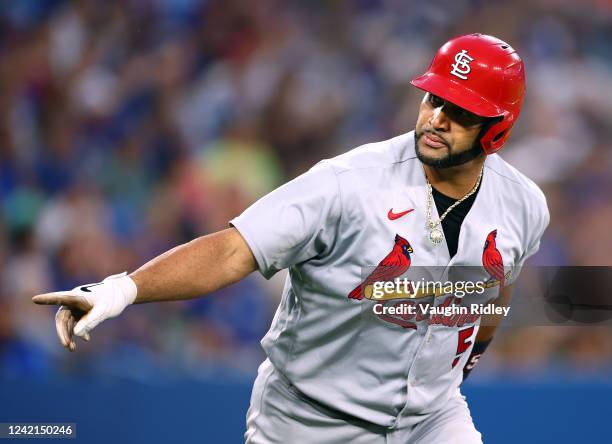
x=435, y=228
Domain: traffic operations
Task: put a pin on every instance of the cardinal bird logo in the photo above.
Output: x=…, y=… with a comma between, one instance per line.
x=492, y=260
x=393, y=265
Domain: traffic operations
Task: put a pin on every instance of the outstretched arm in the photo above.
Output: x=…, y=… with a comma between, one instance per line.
x=187, y=271
x=201, y=266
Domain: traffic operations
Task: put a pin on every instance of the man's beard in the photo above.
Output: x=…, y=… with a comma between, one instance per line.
x=452, y=159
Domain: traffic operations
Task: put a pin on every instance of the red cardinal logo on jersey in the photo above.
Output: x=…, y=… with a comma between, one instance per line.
x=393, y=265
x=492, y=259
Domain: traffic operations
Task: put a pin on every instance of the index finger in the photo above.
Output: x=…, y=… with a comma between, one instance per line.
x=62, y=298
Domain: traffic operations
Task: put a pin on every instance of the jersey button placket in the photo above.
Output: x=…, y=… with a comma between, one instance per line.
x=426, y=338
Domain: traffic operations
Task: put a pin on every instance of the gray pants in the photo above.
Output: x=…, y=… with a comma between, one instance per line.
x=280, y=414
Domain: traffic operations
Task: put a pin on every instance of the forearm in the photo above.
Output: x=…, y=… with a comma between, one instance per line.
x=201, y=266
x=489, y=323
x=486, y=332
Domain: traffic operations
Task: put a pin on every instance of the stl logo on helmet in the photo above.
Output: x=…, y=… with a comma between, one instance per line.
x=461, y=67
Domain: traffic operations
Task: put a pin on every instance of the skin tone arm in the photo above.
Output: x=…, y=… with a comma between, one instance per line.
x=489, y=323
x=201, y=266
x=194, y=269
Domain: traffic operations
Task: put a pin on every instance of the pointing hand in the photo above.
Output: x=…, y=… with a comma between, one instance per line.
x=84, y=307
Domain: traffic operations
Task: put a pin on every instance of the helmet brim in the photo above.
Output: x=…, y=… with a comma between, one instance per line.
x=457, y=94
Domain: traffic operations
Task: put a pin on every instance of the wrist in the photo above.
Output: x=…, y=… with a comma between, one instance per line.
x=125, y=287
x=128, y=289
x=477, y=351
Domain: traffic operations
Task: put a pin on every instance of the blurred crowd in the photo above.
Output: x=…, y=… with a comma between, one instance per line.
x=128, y=127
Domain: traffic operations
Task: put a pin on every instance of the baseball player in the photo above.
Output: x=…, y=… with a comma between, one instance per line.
x=341, y=366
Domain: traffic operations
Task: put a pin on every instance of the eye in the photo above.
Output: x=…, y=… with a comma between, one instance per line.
x=465, y=114
x=435, y=101
x=464, y=117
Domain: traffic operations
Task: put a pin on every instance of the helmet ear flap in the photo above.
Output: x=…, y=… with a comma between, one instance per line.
x=495, y=134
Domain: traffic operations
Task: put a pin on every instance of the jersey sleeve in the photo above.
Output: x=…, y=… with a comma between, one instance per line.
x=535, y=231
x=295, y=222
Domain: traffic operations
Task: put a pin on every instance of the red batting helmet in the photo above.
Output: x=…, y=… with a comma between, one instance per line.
x=482, y=74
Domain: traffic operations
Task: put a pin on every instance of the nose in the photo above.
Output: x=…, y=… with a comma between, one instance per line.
x=439, y=120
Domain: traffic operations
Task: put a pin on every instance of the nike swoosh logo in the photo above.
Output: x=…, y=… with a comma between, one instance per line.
x=392, y=216
x=86, y=288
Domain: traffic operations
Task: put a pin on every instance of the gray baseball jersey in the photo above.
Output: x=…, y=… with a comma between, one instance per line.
x=351, y=212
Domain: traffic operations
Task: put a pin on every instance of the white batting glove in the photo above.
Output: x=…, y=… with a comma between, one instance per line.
x=84, y=307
